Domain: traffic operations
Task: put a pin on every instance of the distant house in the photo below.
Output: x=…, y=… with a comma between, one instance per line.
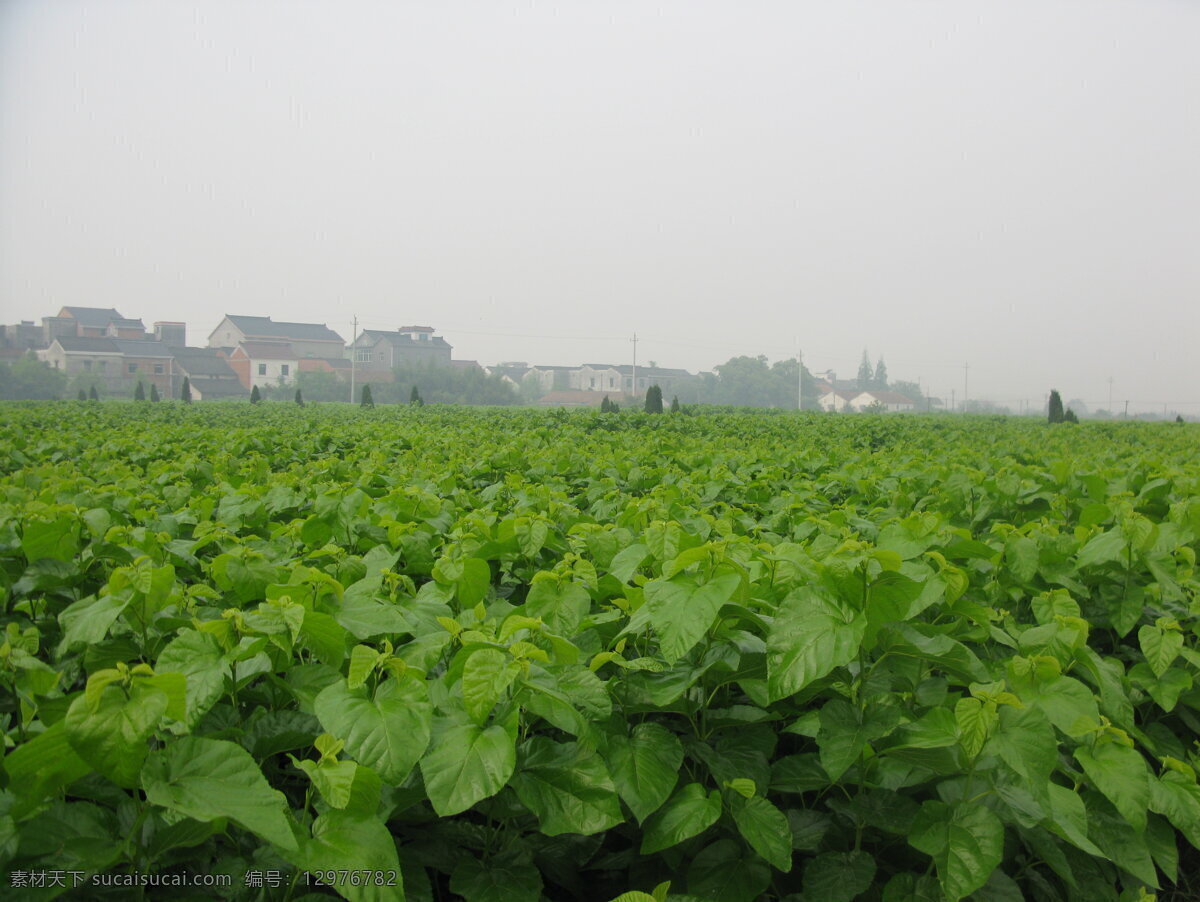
x=377, y=350
x=115, y=363
x=209, y=374
x=264, y=364
x=511, y=372
x=551, y=378
x=91, y=322
x=305, y=339
x=834, y=399
x=597, y=377
x=890, y=401
x=607, y=377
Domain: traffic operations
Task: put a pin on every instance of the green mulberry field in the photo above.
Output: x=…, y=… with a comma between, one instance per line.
x=492, y=655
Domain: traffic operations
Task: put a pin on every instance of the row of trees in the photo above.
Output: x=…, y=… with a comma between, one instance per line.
x=437, y=385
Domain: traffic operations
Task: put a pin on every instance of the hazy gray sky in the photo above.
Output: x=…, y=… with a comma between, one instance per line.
x=1011, y=184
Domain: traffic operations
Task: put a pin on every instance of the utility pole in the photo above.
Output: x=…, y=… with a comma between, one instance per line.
x=634, y=385
x=1110, y=396
x=1127, y=408
x=799, y=377
x=353, y=355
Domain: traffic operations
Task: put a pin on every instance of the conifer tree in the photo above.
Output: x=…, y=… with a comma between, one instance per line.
x=139, y=393
x=255, y=395
x=1070, y=417
x=185, y=393
x=865, y=373
x=82, y=395
x=414, y=397
x=367, y=400
x=299, y=398
x=675, y=404
x=1178, y=418
x=1054, y=412
x=605, y=405
x=881, y=375
x=93, y=395
x=654, y=399
x=154, y=392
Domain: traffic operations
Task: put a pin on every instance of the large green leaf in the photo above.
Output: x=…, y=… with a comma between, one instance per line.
x=966, y=842
x=680, y=611
x=644, y=766
x=561, y=603
x=723, y=872
x=1120, y=773
x=845, y=731
x=838, y=876
x=388, y=732
x=507, y=877
x=109, y=732
x=41, y=767
x=689, y=812
x=1025, y=741
x=766, y=829
x=57, y=539
x=466, y=765
x=198, y=656
x=486, y=673
x=567, y=787
x=1160, y=646
x=811, y=635
x=207, y=779
x=359, y=845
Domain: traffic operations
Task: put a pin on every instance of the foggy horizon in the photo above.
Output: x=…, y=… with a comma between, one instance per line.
x=1013, y=187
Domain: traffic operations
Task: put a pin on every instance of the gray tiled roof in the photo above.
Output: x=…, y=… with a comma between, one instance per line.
x=265, y=327
x=95, y=316
x=202, y=362
x=88, y=345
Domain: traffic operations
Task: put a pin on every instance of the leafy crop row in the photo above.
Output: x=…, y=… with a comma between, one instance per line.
x=514, y=654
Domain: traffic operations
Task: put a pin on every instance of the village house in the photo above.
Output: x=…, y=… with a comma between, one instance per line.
x=264, y=364
x=376, y=352
x=608, y=378
x=209, y=374
x=304, y=339
x=115, y=364
x=889, y=401
x=91, y=322
x=835, y=399
x=550, y=378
